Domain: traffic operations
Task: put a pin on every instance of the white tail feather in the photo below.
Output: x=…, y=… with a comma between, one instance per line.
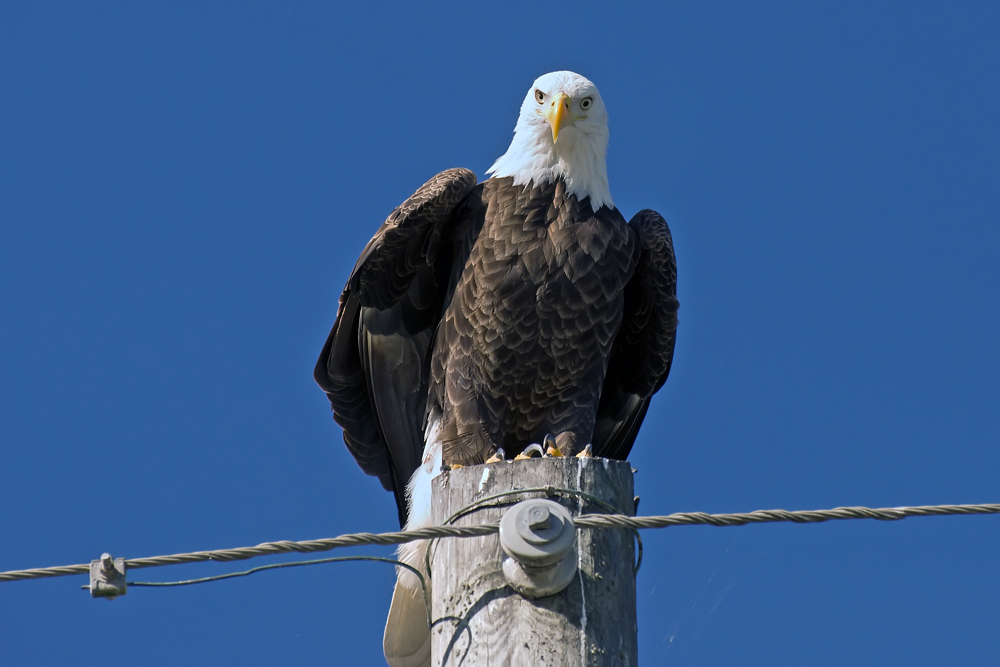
x=407, y=639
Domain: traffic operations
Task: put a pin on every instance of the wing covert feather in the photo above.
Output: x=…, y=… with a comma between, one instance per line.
x=409, y=240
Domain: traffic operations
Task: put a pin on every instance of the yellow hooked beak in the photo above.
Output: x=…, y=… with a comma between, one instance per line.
x=556, y=112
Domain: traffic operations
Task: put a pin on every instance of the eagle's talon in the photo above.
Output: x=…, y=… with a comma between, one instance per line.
x=456, y=466
x=530, y=451
x=498, y=456
x=549, y=444
x=586, y=453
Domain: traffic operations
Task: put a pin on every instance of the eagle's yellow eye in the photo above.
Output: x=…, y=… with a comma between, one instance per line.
x=539, y=96
x=586, y=102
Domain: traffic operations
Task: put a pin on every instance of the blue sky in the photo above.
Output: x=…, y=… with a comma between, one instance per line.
x=184, y=188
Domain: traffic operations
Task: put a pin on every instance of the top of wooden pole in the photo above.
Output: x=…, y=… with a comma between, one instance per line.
x=481, y=621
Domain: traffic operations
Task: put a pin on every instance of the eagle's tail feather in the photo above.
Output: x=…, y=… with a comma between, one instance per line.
x=407, y=640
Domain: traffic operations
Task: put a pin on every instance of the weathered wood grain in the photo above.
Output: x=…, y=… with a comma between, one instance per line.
x=479, y=621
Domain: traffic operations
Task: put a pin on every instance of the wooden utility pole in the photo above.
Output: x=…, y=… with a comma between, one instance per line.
x=479, y=620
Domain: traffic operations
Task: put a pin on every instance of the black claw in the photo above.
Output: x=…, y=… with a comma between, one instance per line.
x=531, y=450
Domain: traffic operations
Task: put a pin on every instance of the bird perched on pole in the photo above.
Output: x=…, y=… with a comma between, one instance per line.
x=487, y=317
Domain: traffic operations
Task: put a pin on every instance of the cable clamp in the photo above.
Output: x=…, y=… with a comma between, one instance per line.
x=107, y=577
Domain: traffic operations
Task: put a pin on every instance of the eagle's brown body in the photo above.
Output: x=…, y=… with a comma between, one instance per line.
x=525, y=340
x=499, y=313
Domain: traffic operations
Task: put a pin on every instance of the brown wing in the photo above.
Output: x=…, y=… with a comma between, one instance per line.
x=644, y=347
x=375, y=365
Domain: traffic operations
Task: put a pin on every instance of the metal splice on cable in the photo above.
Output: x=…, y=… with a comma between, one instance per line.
x=107, y=577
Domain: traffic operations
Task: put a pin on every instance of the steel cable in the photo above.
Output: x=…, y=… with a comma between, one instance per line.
x=584, y=521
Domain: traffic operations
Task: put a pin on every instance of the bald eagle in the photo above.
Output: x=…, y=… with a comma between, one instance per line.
x=484, y=317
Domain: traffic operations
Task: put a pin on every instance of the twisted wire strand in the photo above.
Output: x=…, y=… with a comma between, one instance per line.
x=585, y=521
x=776, y=516
x=267, y=549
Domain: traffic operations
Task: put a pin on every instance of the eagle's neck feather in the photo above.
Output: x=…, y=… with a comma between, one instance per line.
x=579, y=159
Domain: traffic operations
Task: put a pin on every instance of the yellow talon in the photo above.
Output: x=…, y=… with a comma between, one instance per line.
x=586, y=453
x=456, y=466
x=553, y=451
x=497, y=457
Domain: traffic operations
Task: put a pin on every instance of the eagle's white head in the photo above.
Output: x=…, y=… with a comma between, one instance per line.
x=562, y=131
